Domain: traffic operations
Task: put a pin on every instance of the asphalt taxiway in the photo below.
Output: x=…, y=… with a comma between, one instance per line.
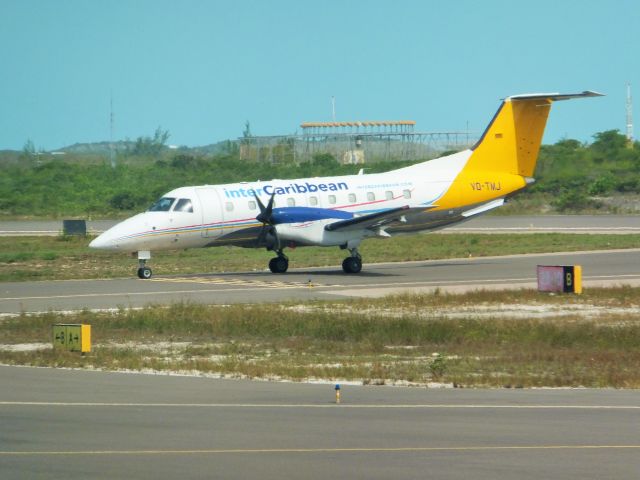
x=601, y=268
x=79, y=424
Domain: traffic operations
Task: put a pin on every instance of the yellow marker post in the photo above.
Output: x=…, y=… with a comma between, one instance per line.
x=577, y=279
x=337, y=393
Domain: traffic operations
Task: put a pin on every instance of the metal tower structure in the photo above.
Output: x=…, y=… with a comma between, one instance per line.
x=629, y=115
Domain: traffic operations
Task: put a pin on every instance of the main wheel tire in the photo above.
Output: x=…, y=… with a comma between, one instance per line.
x=352, y=265
x=278, y=265
x=144, y=273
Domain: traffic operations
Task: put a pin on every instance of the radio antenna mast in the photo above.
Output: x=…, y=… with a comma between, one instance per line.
x=629, y=116
x=333, y=109
x=112, y=153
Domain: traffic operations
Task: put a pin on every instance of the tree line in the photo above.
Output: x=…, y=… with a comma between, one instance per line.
x=571, y=176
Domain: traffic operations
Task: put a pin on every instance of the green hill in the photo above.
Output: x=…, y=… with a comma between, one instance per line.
x=602, y=176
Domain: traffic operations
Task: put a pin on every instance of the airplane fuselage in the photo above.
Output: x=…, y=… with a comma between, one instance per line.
x=219, y=213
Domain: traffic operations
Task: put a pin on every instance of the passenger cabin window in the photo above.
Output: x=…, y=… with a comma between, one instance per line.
x=291, y=202
x=406, y=193
x=252, y=205
x=183, y=205
x=352, y=198
x=388, y=195
x=228, y=207
x=313, y=201
x=162, y=205
x=371, y=196
x=332, y=199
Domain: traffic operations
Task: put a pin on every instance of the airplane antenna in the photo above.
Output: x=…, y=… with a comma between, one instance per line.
x=112, y=154
x=629, y=116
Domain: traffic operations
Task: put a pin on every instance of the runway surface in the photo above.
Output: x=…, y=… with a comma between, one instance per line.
x=75, y=424
x=485, y=224
x=518, y=271
x=80, y=424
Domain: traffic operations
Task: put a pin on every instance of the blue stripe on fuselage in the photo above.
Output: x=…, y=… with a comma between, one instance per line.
x=307, y=214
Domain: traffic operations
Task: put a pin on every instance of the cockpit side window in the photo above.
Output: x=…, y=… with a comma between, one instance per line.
x=183, y=205
x=162, y=205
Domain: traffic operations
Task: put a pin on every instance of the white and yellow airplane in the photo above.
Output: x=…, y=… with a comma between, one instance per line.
x=343, y=211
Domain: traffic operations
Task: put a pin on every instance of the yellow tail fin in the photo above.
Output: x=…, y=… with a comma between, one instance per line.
x=504, y=159
x=511, y=142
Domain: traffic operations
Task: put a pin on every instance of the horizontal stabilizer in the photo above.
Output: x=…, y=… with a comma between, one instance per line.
x=368, y=221
x=556, y=96
x=498, y=202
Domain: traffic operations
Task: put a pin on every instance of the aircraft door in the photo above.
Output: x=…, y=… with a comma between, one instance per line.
x=212, y=210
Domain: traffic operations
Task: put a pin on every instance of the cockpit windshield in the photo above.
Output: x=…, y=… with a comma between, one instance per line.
x=183, y=205
x=162, y=205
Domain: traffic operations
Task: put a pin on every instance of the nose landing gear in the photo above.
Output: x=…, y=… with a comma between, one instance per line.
x=144, y=272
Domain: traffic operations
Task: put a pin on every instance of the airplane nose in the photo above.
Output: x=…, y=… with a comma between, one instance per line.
x=118, y=236
x=102, y=241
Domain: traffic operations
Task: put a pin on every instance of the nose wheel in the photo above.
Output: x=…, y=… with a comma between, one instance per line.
x=144, y=272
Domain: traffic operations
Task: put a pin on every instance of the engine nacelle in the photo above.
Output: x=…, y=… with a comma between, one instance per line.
x=313, y=233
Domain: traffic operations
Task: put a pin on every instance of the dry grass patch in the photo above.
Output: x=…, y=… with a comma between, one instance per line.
x=473, y=339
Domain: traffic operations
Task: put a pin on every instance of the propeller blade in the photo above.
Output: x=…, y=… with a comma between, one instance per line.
x=262, y=237
x=260, y=204
x=265, y=212
x=265, y=217
x=270, y=205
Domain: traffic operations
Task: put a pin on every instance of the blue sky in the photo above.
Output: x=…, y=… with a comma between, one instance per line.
x=200, y=69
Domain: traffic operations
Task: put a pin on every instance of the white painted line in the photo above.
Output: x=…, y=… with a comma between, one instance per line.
x=131, y=294
x=321, y=405
x=485, y=448
x=439, y=283
x=479, y=282
x=496, y=257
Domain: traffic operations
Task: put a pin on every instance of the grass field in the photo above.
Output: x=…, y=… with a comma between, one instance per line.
x=56, y=258
x=496, y=339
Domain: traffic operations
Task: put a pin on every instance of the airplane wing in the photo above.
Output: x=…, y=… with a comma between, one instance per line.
x=373, y=220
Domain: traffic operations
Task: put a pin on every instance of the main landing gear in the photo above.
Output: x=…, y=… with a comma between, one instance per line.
x=352, y=264
x=279, y=264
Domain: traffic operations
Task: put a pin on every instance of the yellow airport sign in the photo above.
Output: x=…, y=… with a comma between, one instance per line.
x=74, y=337
x=560, y=278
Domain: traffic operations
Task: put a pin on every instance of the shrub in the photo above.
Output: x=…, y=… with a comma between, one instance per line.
x=123, y=201
x=602, y=185
x=571, y=200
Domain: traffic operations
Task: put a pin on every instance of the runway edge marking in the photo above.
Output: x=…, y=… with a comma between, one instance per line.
x=321, y=405
x=490, y=448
